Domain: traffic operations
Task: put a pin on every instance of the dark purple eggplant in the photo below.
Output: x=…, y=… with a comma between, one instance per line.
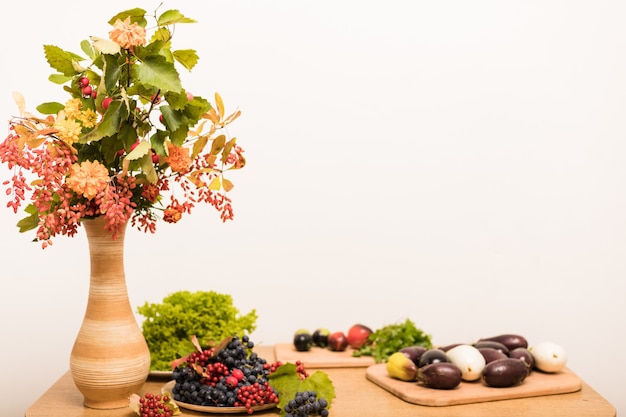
x=524, y=355
x=511, y=341
x=414, y=353
x=432, y=356
x=448, y=347
x=440, y=375
x=506, y=372
x=493, y=345
x=491, y=354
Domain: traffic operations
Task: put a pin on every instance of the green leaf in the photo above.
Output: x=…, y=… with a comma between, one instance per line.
x=137, y=15
x=286, y=381
x=143, y=148
x=158, y=141
x=59, y=78
x=30, y=222
x=61, y=60
x=188, y=58
x=86, y=47
x=177, y=101
x=161, y=34
x=156, y=71
x=171, y=17
x=50, y=108
x=111, y=71
x=177, y=124
x=195, y=109
x=147, y=166
x=109, y=125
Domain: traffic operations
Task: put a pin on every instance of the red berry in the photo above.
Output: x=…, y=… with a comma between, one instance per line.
x=161, y=117
x=87, y=90
x=83, y=81
x=155, y=99
x=231, y=381
x=106, y=102
x=237, y=373
x=155, y=158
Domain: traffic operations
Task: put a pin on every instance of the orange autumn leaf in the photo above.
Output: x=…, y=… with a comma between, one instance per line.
x=227, y=184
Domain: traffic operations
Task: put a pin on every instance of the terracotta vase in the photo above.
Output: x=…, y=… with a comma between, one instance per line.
x=110, y=359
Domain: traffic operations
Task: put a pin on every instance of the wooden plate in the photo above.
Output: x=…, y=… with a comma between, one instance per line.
x=536, y=384
x=319, y=357
x=214, y=410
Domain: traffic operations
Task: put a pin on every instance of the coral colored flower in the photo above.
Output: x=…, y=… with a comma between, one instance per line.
x=127, y=35
x=150, y=192
x=178, y=158
x=171, y=215
x=88, y=178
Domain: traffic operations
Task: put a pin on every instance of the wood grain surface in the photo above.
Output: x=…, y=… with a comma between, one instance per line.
x=536, y=384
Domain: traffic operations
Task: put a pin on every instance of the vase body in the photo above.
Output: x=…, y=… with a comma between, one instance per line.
x=110, y=359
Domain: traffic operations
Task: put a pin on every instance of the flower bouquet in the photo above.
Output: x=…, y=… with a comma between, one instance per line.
x=129, y=143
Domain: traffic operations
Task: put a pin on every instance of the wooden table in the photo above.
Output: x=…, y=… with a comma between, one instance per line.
x=356, y=396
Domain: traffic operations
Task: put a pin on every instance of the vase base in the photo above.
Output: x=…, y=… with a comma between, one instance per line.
x=106, y=405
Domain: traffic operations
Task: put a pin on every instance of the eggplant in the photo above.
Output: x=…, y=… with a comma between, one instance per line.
x=491, y=354
x=506, y=372
x=511, y=341
x=525, y=355
x=414, y=353
x=493, y=345
x=440, y=375
x=432, y=356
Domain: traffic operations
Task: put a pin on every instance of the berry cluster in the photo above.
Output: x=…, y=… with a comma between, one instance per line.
x=151, y=405
x=86, y=88
x=231, y=376
x=305, y=404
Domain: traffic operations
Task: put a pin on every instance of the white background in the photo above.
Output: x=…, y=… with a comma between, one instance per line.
x=462, y=164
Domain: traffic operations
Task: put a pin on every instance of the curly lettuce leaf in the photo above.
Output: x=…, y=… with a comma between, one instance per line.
x=170, y=325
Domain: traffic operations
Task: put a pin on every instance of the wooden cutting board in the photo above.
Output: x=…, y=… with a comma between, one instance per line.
x=321, y=358
x=536, y=384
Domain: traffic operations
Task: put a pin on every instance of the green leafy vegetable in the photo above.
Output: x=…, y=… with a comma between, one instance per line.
x=391, y=338
x=287, y=382
x=170, y=325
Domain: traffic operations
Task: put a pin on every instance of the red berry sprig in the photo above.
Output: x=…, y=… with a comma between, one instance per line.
x=255, y=395
x=154, y=405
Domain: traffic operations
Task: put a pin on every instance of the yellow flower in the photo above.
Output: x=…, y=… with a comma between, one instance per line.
x=69, y=130
x=178, y=158
x=126, y=35
x=88, y=118
x=88, y=178
x=72, y=108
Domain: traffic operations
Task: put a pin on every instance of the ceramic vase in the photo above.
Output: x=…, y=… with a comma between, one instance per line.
x=110, y=359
